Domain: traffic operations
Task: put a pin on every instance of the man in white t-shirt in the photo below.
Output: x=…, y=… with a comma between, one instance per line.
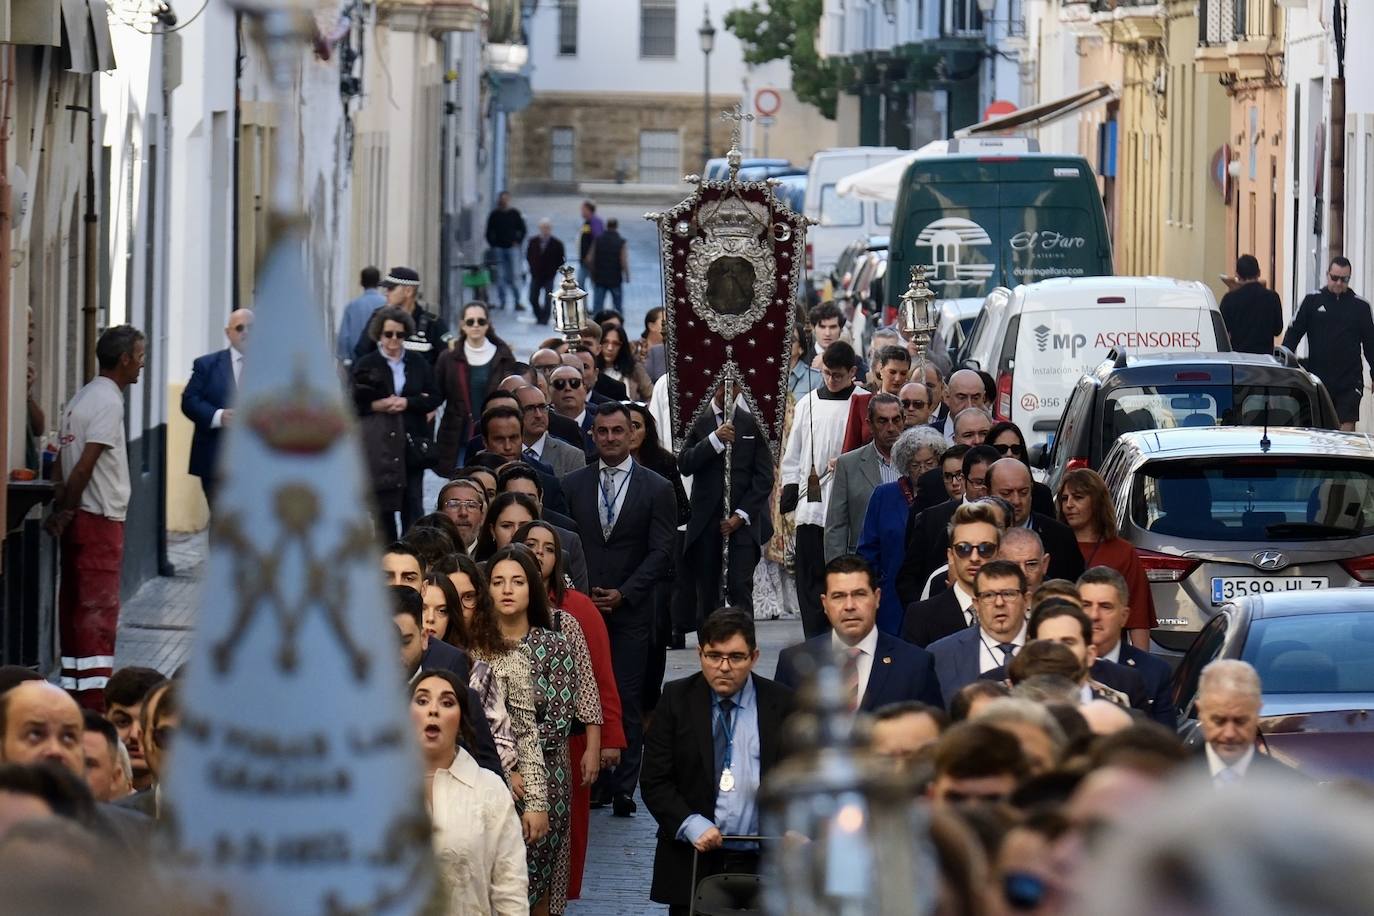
x=92, y=474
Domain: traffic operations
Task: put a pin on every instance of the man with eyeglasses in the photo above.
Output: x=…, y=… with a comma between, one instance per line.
x=1010, y=479
x=999, y=632
x=916, y=404
x=538, y=443
x=402, y=286
x=701, y=782
x=464, y=501
x=208, y=400
x=965, y=390
x=1337, y=324
x=570, y=400
x=928, y=525
x=877, y=668
x=971, y=426
x=974, y=534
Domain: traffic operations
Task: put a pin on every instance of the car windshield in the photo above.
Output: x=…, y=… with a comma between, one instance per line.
x=1130, y=410
x=1264, y=498
x=1313, y=653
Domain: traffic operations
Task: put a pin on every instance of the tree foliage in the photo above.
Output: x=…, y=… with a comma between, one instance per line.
x=786, y=30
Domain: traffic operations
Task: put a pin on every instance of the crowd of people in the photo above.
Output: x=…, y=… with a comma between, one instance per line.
x=992, y=637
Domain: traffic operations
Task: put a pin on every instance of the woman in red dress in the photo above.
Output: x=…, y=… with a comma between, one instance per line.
x=540, y=538
x=1086, y=507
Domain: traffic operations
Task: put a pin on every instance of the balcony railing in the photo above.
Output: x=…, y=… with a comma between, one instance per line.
x=1223, y=21
x=1106, y=6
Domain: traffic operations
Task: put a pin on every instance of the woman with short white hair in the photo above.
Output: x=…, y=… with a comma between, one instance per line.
x=882, y=541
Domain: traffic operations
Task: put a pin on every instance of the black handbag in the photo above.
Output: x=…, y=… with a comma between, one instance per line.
x=421, y=452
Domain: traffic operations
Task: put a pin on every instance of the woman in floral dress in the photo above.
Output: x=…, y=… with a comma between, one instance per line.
x=555, y=653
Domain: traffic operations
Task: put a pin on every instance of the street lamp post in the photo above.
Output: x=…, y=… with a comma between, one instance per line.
x=707, y=34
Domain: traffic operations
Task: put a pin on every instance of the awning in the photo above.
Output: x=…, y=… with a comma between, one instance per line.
x=1044, y=113
x=881, y=182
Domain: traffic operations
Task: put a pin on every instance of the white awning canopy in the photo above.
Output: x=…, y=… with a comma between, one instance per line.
x=881, y=181
x=1041, y=114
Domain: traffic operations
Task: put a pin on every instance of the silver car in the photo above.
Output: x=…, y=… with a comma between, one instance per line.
x=1222, y=513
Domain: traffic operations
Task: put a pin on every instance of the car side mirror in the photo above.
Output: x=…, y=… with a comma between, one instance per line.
x=1039, y=456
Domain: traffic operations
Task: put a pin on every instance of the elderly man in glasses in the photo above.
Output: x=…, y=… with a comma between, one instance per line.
x=208, y=400
x=1337, y=324
x=998, y=630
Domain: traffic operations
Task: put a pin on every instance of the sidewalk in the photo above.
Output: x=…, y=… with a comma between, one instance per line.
x=155, y=630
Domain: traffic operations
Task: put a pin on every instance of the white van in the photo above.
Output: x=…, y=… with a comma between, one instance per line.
x=1038, y=340
x=841, y=220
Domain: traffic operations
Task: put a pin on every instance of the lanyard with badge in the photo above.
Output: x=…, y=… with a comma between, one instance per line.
x=727, y=724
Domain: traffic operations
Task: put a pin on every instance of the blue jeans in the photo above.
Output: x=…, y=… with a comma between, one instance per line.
x=600, y=296
x=507, y=274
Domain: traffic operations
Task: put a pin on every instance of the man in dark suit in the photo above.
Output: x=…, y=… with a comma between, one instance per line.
x=715, y=736
x=502, y=428
x=627, y=516
x=570, y=401
x=926, y=537
x=1106, y=601
x=749, y=525
x=858, y=474
x=973, y=539
x=1229, y=698
x=208, y=400
x=1063, y=623
x=545, y=255
x=881, y=668
x=1001, y=630
x=1010, y=479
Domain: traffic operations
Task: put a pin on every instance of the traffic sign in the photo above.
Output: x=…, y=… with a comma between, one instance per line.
x=767, y=102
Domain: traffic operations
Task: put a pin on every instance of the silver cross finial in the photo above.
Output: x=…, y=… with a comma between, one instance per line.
x=739, y=116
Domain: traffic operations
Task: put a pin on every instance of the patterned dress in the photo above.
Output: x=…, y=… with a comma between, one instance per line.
x=565, y=693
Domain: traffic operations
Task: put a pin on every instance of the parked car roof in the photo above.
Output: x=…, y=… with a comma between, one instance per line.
x=1225, y=441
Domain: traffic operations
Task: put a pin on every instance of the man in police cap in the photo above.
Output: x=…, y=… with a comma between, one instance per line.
x=402, y=286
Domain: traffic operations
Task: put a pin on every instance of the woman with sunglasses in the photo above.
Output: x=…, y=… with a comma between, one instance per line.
x=543, y=541
x=442, y=619
x=1007, y=438
x=507, y=513
x=548, y=648
x=617, y=362
x=477, y=840
x=1086, y=507
x=394, y=391
x=882, y=542
x=468, y=371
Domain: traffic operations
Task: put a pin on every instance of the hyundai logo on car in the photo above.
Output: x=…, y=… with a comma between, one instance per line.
x=1270, y=559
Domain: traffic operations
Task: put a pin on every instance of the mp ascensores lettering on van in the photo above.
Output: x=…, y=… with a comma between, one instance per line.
x=1152, y=340
x=1070, y=342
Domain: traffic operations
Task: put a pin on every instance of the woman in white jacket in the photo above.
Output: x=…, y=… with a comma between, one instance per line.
x=477, y=837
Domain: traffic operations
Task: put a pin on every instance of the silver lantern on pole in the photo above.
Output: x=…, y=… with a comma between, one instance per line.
x=852, y=838
x=569, y=308
x=913, y=313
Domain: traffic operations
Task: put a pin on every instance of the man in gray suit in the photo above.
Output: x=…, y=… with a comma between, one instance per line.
x=538, y=444
x=857, y=475
x=1000, y=599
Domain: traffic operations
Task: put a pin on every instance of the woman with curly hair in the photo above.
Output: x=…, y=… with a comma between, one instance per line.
x=550, y=650
x=1086, y=507
x=543, y=541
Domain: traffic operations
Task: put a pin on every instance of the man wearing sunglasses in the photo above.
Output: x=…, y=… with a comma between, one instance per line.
x=570, y=400
x=999, y=633
x=1337, y=324
x=974, y=535
x=208, y=400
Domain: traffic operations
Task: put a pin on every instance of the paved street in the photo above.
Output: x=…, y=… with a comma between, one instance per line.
x=156, y=630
